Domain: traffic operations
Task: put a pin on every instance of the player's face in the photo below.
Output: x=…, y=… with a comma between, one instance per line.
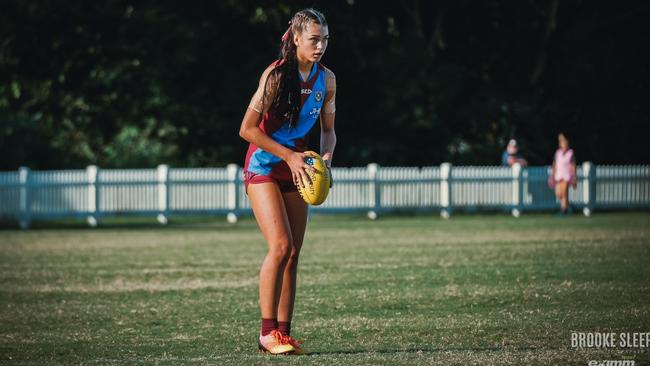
x=312, y=43
x=564, y=144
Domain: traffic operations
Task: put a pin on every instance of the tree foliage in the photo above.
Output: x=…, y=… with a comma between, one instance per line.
x=135, y=84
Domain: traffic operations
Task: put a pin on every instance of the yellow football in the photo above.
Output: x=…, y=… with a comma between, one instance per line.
x=316, y=193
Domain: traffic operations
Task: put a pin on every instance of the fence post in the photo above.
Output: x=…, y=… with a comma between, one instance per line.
x=517, y=189
x=374, y=191
x=445, y=190
x=93, y=195
x=25, y=204
x=588, y=187
x=163, y=194
x=233, y=193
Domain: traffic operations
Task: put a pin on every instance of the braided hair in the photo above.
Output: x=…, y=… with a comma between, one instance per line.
x=285, y=74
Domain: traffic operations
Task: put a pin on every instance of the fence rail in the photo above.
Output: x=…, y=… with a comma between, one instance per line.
x=94, y=193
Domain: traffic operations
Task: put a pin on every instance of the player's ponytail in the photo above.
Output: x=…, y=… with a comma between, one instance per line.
x=287, y=97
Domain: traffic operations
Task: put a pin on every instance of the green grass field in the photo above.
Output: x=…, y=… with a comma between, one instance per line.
x=482, y=290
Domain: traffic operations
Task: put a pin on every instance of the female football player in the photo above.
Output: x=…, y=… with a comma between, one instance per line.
x=294, y=93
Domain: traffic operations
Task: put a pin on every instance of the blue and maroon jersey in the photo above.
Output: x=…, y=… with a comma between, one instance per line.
x=278, y=127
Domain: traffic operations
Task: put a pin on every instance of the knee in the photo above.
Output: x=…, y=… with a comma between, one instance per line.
x=292, y=264
x=280, y=250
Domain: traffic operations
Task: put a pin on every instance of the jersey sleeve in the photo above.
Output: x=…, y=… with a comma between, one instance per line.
x=329, y=105
x=265, y=93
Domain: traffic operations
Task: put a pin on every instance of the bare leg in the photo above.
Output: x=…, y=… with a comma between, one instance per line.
x=565, y=197
x=270, y=213
x=561, y=193
x=297, y=212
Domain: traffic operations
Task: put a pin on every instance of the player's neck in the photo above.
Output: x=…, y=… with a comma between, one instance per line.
x=304, y=66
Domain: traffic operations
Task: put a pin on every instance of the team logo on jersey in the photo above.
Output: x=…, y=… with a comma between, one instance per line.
x=318, y=95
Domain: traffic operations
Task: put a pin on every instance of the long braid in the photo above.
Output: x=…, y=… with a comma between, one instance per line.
x=287, y=98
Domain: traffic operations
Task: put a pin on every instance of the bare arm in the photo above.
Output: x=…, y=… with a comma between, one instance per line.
x=574, y=180
x=553, y=168
x=251, y=132
x=327, y=133
x=522, y=162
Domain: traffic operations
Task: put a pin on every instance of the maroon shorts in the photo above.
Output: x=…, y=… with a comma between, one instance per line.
x=285, y=185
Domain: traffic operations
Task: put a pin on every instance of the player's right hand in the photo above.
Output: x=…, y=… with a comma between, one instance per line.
x=299, y=168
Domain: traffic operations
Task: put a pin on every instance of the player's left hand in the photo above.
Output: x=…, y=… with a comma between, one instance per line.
x=329, y=170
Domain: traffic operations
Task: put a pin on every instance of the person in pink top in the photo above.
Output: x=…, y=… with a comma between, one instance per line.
x=563, y=172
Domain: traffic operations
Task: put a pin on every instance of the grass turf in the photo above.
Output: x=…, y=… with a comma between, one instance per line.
x=484, y=290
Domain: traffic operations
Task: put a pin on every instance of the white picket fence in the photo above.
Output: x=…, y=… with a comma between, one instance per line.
x=95, y=193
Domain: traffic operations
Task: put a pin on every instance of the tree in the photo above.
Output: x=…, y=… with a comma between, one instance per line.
x=122, y=84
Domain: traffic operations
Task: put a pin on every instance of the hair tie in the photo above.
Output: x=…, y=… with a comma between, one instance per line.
x=286, y=34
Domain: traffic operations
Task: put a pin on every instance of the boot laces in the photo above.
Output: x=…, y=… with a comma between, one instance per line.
x=285, y=339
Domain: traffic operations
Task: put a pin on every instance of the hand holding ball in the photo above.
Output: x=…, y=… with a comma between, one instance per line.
x=316, y=192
